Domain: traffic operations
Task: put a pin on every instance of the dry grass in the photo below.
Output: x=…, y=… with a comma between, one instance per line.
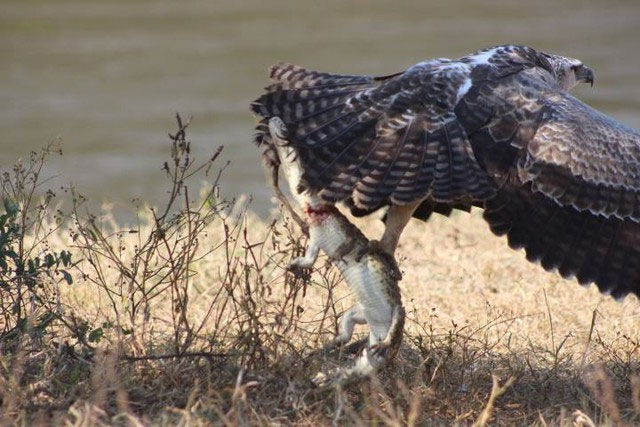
x=190, y=319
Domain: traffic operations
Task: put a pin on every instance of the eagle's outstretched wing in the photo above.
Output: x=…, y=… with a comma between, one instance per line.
x=559, y=178
x=579, y=157
x=570, y=179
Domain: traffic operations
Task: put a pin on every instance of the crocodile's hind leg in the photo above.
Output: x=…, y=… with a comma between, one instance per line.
x=352, y=317
x=365, y=365
x=371, y=360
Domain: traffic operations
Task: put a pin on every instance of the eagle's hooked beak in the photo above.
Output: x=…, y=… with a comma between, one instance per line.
x=584, y=74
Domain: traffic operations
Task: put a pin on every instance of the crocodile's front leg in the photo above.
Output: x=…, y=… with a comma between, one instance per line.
x=310, y=257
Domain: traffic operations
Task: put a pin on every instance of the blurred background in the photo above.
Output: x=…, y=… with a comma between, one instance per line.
x=108, y=76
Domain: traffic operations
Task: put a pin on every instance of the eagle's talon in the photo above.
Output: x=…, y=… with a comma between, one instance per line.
x=375, y=247
x=343, y=251
x=372, y=247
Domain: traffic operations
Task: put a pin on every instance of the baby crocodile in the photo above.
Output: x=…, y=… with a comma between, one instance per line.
x=370, y=273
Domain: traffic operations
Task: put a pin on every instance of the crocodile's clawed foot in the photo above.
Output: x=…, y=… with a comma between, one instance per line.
x=300, y=265
x=380, y=350
x=338, y=377
x=299, y=272
x=294, y=268
x=365, y=365
x=322, y=381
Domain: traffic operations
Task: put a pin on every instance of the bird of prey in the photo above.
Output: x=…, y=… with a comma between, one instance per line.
x=496, y=129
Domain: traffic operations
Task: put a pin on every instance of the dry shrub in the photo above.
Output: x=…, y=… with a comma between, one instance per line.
x=186, y=316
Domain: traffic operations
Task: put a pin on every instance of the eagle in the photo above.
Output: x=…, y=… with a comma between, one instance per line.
x=496, y=129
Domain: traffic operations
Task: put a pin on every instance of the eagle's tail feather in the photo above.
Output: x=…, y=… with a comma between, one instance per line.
x=294, y=77
x=306, y=100
x=325, y=120
x=428, y=207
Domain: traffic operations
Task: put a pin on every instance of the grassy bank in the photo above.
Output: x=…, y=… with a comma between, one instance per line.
x=186, y=316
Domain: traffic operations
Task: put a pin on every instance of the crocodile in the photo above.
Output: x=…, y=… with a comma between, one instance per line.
x=371, y=273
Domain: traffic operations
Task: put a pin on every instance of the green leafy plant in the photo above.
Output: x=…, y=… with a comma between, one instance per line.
x=30, y=270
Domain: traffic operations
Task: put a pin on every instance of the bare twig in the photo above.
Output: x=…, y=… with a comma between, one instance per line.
x=586, y=347
x=497, y=390
x=204, y=354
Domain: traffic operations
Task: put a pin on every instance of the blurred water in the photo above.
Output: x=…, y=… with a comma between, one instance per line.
x=108, y=76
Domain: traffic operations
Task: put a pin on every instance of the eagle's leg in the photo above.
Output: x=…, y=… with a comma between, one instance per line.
x=397, y=219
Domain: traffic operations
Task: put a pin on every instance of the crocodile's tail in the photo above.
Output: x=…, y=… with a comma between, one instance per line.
x=278, y=142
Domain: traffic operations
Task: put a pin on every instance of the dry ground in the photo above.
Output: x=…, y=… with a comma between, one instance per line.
x=476, y=309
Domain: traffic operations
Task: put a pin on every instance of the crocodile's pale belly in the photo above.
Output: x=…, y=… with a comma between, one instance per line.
x=366, y=278
x=371, y=292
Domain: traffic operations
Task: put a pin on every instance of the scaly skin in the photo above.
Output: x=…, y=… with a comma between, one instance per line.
x=370, y=272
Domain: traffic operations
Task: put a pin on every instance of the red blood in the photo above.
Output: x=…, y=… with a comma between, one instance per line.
x=318, y=214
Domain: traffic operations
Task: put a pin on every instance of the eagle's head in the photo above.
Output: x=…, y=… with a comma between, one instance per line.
x=569, y=71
